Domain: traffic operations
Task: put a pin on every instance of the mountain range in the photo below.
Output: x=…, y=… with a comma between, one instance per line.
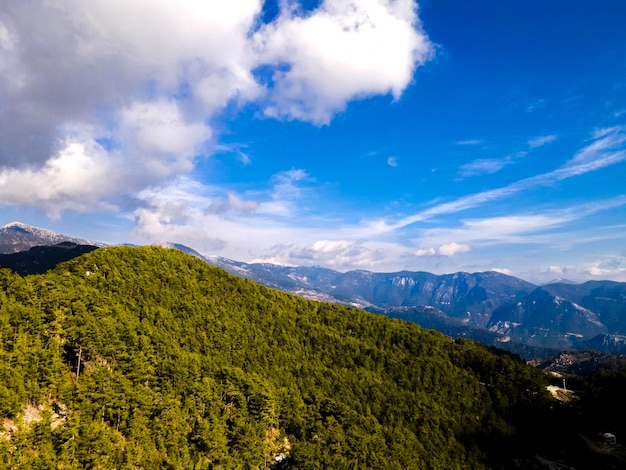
x=491, y=307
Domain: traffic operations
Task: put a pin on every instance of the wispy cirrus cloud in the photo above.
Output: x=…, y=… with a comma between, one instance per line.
x=607, y=147
x=471, y=142
x=540, y=141
x=488, y=166
x=483, y=166
x=533, y=104
x=547, y=228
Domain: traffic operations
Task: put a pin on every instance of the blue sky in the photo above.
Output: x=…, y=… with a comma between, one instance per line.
x=355, y=134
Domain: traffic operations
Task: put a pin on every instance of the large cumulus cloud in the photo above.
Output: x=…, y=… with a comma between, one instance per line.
x=106, y=97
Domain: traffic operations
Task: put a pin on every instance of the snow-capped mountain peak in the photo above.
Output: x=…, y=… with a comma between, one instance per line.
x=17, y=236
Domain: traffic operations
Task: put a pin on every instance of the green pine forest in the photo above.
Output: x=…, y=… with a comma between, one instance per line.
x=145, y=357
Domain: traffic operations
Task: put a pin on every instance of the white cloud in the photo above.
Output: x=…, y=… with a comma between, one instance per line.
x=88, y=60
x=140, y=82
x=174, y=221
x=79, y=177
x=392, y=162
x=447, y=249
x=451, y=249
x=232, y=203
x=285, y=183
x=343, y=50
x=286, y=191
x=483, y=166
x=604, y=271
x=541, y=141
x=610, y=268
x=506, y=271
x=158, y=134
x=331, y=246
x=335, y=254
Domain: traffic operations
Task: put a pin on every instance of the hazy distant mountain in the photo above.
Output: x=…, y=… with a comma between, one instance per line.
x=544, y=319
x=606, y=343
x=430, y=317
x=489, y=307
x=560, y=281
x=16, y=237
x=563, y=316
x=470, y=298
x=606, y=298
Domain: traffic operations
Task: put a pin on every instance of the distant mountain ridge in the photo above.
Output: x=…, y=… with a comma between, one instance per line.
x=16, y=237
x=467, y=297
x=491, y=307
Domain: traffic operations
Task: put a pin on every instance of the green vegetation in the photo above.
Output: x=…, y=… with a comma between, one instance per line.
x=149, y=358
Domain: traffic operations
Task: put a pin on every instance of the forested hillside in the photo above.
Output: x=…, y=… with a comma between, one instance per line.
x=149, y=358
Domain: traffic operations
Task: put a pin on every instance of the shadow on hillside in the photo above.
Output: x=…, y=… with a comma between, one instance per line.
x=40, y=259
